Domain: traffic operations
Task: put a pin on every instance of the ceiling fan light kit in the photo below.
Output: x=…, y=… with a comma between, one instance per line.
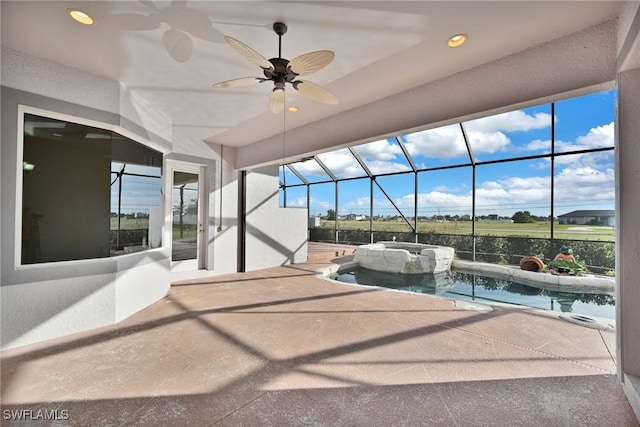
x=281, y=71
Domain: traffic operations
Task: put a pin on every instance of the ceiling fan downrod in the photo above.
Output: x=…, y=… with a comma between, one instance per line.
x=280, y=29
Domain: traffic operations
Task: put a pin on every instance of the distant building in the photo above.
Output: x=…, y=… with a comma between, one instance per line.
x=314, y=221
x=586, y=217
x=355, y=217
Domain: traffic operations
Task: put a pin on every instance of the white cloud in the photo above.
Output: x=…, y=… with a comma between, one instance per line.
x=585, y=184
x=300, y=202
x=538, y=144
x=512, y=121
x=378, y=167
x=505, y=197
x=310, y=167
x=600, y=136
x=488, y=142
x=357, y=203
x=580, y=178
x=434, y=200
x=443, y=142
x=486, y=135
x=342, y=163
x=379, y=150
x=490, y=185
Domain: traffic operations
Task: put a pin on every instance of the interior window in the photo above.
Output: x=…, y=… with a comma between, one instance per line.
x=87, y=192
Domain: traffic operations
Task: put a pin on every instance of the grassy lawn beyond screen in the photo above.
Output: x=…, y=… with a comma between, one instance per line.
x=487, y=228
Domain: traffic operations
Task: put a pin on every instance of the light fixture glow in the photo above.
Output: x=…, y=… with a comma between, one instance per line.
x=457, y=40
x=28, y=166
x=80, y=16
x=293, y=109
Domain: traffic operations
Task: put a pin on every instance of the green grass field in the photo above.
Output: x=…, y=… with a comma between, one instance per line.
x=488, y=228
x=143, y=223
x=130, y=223
x=483, y=228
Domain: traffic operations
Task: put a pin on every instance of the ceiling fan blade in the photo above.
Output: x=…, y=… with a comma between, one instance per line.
x=180, y=16
x=276, y=100
x=311, y=62
x=245, y=81
x=178, y=45
x=314, y=92
x=203, y=30
x=253, y=56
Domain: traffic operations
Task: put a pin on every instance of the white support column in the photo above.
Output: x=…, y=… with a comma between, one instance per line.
x=628, y=234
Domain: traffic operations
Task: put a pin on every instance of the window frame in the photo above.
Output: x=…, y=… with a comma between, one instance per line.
x=26, y=109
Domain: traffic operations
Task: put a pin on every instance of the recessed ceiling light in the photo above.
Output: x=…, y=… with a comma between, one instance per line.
x=293, y=109
x=80, y=16
x=457, y=40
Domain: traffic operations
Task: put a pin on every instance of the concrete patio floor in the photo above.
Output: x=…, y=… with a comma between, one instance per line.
x=281, y=347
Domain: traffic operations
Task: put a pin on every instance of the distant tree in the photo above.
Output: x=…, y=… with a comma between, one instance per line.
x=331, y=214
x=522, y=217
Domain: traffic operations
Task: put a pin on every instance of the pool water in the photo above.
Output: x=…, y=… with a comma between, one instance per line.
x=482, y=288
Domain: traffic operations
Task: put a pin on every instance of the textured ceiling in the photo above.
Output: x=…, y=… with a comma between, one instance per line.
x=381, y=47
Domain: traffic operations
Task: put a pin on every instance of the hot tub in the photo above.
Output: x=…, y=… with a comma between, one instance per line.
x=405, y=258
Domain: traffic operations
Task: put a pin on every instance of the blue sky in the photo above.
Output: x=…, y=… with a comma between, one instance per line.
x=582, y=181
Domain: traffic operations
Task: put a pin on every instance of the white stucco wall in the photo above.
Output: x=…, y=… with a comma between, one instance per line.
x=274, y=235
x=45, y=301
x=225, y=217
x=40, y=310
x=35, y=75
x=628, y=231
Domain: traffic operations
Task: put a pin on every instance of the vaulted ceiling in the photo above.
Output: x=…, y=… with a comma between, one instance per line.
x=171, y=53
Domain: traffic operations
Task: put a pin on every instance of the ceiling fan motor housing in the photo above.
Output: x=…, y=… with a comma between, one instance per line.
x=281, y=73
x=280, y=28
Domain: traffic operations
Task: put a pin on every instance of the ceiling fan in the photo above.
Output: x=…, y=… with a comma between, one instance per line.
x=184, y=21
x=281, y=71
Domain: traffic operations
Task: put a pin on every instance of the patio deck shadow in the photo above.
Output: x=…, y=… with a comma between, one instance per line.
x=282, y=347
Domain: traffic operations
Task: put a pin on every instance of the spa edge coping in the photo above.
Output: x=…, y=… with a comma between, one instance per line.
x=586, y=283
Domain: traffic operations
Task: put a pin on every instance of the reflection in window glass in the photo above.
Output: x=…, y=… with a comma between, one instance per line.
x=311, y=171
x=584, y=196
x=514, y=198
x=443, y=146
x=185, y=216
x=445, y=201
x=87, y=192
x=354, y=204
x=584, y=123
x=513, y=134
x=382, y=157
x=136, y=192
x=342, y=164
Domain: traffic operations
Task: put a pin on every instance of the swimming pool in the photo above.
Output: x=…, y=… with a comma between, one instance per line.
x=484, y=288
